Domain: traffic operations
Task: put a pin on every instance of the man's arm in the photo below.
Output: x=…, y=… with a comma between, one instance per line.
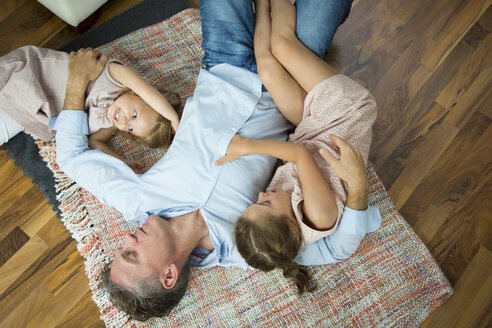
x=358, y=218
x=107, y=178
x=351, y=168
x=84, y=66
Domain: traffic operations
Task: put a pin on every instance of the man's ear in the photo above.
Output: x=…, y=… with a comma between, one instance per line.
x=169, y=276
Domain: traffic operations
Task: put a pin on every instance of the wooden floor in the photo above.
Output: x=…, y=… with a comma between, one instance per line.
x=428, y=63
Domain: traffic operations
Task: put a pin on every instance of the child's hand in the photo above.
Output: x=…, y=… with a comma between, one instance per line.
x=236, y=149
x=134, y=165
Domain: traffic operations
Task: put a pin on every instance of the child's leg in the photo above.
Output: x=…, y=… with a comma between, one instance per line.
x=227, y=32
x=285, y=91
x=304, y=66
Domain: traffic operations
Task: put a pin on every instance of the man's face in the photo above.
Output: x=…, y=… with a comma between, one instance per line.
x=146, y=252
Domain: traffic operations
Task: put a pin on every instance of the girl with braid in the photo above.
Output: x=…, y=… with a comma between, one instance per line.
x=332, y=114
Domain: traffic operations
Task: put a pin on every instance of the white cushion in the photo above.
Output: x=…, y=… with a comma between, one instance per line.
x=8, y=127
x=73, y=11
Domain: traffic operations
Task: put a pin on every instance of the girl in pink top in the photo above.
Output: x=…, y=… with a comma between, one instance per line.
x=305, y=198
x=32, y=91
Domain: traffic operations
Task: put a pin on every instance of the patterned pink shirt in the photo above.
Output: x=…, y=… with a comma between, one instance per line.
x=339, y=106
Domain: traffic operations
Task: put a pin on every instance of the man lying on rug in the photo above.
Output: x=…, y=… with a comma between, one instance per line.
x=186, y=204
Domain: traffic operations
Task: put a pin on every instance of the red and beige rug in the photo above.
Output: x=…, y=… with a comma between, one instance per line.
x=391, y=281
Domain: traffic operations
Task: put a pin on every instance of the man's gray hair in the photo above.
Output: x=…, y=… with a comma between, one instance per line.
x=149, y=299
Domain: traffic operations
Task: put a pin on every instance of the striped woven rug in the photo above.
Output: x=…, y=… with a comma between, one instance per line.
x=391, y=281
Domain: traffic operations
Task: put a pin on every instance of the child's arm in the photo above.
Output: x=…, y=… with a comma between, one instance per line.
x=148, y=93
x=99, y=140
x=319, y=206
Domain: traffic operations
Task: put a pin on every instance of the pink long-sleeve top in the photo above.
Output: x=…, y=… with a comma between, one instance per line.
x=32, y=90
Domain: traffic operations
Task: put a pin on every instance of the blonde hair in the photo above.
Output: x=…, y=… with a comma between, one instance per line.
x=270, y=243
x=160, y=136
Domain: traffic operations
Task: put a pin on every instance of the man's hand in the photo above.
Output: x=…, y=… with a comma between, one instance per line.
x=84, y=66
x=350, y=168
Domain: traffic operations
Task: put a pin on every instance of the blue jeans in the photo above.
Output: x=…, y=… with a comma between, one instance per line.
x=228, y=29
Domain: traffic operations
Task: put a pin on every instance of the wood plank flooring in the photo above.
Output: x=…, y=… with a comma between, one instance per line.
x=429, y=65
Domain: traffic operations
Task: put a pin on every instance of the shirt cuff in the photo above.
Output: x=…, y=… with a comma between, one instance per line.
x=356, y=222
x=52, y=122
x=72, y=121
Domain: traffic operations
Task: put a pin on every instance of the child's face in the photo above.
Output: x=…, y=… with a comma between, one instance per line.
x=276, y=203
x=130, y=113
